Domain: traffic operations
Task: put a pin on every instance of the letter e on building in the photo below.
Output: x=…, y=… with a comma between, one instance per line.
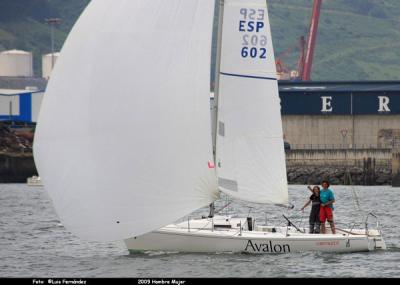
x=327, y=104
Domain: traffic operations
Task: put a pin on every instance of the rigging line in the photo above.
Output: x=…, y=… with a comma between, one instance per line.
x=356, y=201
x=216, y=212
x=290, y=223
x=354, y=194
x=248, y=76
x=350, y=233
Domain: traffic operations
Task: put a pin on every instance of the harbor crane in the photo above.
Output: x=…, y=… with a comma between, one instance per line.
x=307, y=49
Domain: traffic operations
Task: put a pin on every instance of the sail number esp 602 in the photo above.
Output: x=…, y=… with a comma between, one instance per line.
x=252, y=24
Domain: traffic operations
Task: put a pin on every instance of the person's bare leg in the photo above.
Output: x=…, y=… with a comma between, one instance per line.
x=323, y=228
x=332, y=227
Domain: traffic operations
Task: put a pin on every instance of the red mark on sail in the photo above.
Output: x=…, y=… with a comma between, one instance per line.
x=211, y=165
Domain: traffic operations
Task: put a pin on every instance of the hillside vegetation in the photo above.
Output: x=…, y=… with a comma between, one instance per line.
x=357, y=39
x=23, y=25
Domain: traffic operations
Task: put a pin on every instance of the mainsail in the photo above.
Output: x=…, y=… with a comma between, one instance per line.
x=123, y=142
x=250, y=153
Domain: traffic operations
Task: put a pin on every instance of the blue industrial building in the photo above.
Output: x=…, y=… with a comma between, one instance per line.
x=340, y=98
x=297, y=98
x=20, y=98
x=340, y=114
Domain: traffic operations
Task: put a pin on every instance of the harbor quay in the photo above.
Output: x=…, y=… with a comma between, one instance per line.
x=348, y=132
x=350, y=167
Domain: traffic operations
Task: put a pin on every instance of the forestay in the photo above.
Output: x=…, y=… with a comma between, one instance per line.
x=123, y=142
x=250, y=151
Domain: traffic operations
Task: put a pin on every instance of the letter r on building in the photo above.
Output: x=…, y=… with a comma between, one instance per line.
x=384, y=104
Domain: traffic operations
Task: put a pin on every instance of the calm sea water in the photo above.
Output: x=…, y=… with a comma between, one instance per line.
x=33, y=243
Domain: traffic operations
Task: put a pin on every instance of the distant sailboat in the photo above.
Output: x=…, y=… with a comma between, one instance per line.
x=136, y=154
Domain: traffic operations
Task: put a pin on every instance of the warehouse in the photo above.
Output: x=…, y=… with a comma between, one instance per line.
x=315, y=115
x=20, y=98
x=340, y=114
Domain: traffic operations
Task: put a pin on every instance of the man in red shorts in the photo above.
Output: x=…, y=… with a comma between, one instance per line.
x=326, y=210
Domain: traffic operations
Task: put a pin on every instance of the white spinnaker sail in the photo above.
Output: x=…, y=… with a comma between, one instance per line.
x=123, y=142
x=250, y=151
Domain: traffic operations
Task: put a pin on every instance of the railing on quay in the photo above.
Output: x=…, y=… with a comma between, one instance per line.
x=339, y=147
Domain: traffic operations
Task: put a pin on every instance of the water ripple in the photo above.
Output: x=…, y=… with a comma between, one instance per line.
x=34, y=243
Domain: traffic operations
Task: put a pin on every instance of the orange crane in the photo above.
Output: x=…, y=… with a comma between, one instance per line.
x=281, y=68
x=307, y=49
x=312, y=39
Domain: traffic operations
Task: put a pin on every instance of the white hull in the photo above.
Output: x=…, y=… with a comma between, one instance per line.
x=200, y=238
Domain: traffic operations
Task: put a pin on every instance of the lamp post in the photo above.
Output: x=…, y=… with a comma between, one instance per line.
x=52, y=22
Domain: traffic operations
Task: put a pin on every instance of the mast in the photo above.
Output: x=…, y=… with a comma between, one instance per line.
x=216, y=89
x=217, y=75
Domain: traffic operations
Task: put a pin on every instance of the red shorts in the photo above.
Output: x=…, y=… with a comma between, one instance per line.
x=325, y=213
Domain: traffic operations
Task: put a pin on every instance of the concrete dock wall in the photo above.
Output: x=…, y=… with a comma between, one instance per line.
x=346, y=130
x=16, y=168
x=303, y=167
x=338, y=157
x=349, y=167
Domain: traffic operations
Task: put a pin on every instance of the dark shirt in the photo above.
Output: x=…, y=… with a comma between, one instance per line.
x=315, y=201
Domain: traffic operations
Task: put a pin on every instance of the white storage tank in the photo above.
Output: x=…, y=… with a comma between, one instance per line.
x=16, y=63
x=47, y=64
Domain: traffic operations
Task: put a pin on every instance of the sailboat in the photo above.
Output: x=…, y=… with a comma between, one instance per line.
x=124, y=140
